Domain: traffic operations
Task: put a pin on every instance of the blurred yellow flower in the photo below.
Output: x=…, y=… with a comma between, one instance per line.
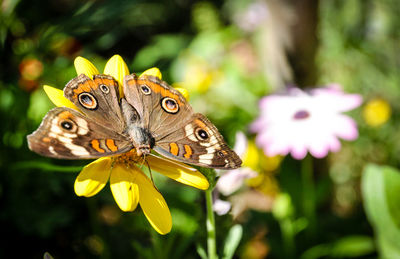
x=377, y=112
x=265, y=181
x=198, y=75
x=129, y=185
x=251, y=157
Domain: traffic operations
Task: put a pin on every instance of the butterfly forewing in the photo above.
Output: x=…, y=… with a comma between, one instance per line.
x=98, y=98
x=66, y=133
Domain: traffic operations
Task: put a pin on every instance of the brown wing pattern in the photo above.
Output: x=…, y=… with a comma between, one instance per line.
x=98, y=98
x=66, y=133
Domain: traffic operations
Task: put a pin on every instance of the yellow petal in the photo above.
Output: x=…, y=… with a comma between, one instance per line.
x=184, y=92
x=93, y=177
x=56, y=96
x=117, y=68
x=153, y=205
x=84, y=66
x=124, y=187
x=179, y=172
x=152, y=72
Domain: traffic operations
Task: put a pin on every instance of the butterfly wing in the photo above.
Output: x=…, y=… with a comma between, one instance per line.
x=198, y=142
x=98, y=98
x=179, y=133
x=159, y=106
x=67, y=134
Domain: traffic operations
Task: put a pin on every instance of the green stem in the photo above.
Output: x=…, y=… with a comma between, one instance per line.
x=287, y=229
x=211, y=234
x=309, y=202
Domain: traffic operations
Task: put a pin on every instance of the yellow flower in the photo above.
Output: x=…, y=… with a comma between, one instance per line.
x=377, y=112
x=129, y=184
x=197, y=74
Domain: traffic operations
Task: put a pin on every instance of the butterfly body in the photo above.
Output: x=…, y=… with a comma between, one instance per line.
x=151, y=116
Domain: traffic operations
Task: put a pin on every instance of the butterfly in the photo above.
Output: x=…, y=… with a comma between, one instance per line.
x=151, y=116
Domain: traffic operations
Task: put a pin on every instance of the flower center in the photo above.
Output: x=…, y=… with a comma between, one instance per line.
x=128, y=158
x=300, y=115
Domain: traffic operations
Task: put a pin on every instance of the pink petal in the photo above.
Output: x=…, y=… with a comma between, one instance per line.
x=319, y=149
x=221, y=207
x=336, y=100
x=298, y=152
x=240, y=144
x=232, y=180
x=344, y=127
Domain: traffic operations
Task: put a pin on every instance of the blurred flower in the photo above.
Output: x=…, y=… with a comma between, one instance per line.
x=246, y=56
x=377, y=112
x=196, y=73
x=233, y=180
x=305, y=121
x=253, y=16
x=221, y=207
x=129, y=185
x=30, y=69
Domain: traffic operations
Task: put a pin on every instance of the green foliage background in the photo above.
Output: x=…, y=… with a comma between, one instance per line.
x=354, y=42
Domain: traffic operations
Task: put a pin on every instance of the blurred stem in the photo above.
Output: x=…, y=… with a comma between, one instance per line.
x=308, y=192
x=211, y=234
x=287, y=229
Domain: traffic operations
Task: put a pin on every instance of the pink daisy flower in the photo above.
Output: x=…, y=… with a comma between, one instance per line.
x=300, y=121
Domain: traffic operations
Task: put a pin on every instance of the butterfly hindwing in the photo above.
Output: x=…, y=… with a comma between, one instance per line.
x=66, y=133
x=198, y=142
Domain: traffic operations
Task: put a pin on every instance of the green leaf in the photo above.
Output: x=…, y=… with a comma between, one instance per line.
x=350, y=246
x=202, y=253
x=380, y=188
x=353, y=246
x=161, y=47
x=392, y=187
x=232, y=241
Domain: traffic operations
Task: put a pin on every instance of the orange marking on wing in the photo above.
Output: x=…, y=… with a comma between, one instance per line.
x=201, y=124
x=153, y=86
x=111, y=145
x=46, y=139
x=96, y=145
x=157, y=88
x=65, y=115
x=131, y=82
x=224, y=152
x=188, y=151
x=105, y=81
x=173, y=149
x=87, y=86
